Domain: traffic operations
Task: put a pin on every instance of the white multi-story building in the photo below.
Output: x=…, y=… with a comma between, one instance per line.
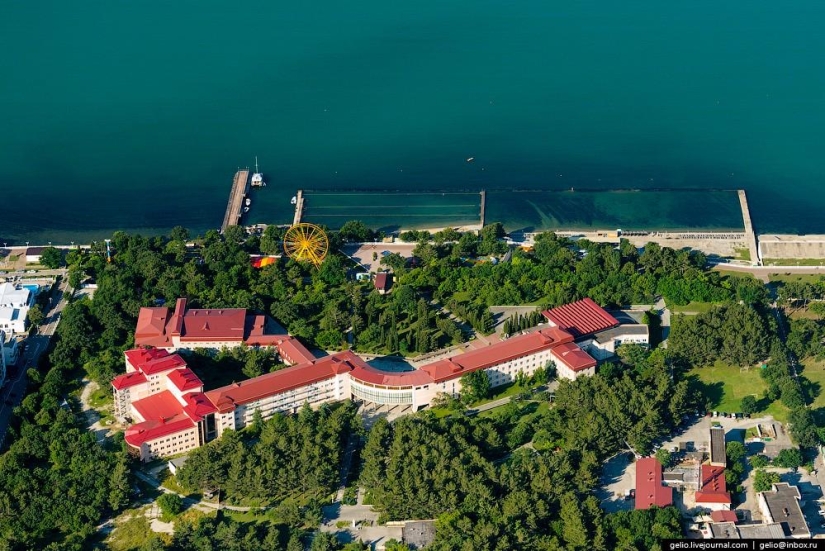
x=14, y=307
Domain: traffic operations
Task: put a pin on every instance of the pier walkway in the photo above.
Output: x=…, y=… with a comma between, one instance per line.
x=753, y=247
x=234, y=207
x=299, y=208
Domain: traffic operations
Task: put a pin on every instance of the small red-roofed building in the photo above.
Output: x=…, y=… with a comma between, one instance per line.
x=649, y=489
x=713, y=492
x=383, y=282
x=572, y=362
x=724, y=516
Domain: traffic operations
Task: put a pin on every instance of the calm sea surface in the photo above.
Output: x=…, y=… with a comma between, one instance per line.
x=135, y=115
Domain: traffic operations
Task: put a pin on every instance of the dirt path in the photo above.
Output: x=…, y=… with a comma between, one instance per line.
x=91, y=415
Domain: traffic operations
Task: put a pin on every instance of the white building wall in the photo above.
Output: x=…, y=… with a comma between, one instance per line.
x=171, y=444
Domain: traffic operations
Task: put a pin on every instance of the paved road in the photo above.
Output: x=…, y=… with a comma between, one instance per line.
x=36, y=344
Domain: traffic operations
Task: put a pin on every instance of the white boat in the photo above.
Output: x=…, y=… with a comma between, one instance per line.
x=248, y=201
x=470, y=159
x=246, y=209
x=294, y=200
x=258, y=177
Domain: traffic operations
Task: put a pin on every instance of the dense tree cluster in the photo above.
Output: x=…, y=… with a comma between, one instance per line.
x=520, y=322
x=56, y=481
x=292, y=457
x=737, y=334
x=558, y=271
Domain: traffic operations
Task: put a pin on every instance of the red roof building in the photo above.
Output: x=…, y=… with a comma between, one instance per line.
x=649, y=488
x=508, y=350
x=143, y=433
x=580, y=318
x=185, y=380
x=128, y=380
x=151, y=361
x=162, y=405
x=228, y=397
x=713, y=493
x=573, y=357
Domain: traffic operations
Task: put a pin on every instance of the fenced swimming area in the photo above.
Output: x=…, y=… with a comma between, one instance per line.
x=393, y=210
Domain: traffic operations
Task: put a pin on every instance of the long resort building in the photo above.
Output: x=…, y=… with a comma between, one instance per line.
x=173, y=414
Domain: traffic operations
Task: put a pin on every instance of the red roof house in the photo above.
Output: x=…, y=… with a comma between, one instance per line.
x=580, y=318
x=383, y=282
x=649, y=488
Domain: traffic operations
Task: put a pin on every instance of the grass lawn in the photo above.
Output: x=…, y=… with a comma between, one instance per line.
x=743, y=253
x=784, y=278
x=730, y=273
x=100, y=398
x=815, y=373
x=793, y=261
x=692, y=307
x=724, y=386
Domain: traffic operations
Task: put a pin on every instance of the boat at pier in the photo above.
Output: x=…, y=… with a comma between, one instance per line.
x=248, y=201
x=294, y=200
x=258, y=177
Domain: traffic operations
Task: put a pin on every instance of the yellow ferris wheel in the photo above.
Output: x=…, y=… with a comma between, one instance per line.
x=306, y=243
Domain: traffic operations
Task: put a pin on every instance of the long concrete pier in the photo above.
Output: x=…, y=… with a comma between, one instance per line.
x=234, y=207
x=750, y=236
x=482, y=214
x=299, y=208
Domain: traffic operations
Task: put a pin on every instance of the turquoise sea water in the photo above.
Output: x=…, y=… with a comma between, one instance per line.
x=134, y=116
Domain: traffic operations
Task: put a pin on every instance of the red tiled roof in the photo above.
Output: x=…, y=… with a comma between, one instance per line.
x=714, y=488
x=383, y=280
x=368, y=374
x=184, y=379
x=153, y=360
x=128, y=380
x=293, y=351
x=573, y=357
x=649, y=489
x=151, y=327
x=156, y=428
x=197, y=406
x=156, y=326
x=482, y=358
x=723, y=516
x=215, y=324
x=162, y=405
x=581, y=317
x=225, y=398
